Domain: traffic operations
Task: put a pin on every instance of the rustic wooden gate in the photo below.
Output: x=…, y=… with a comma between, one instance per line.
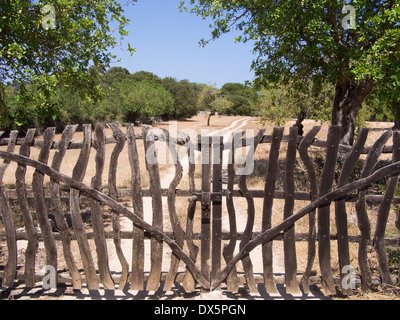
x=216, y=265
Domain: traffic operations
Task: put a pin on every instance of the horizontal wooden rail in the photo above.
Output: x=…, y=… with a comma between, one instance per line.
x=299, y=237
x=197, y=195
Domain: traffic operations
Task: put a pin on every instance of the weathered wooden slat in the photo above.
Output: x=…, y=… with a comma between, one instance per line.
x=383, y=215
x=205, y=206
x=33, y=242
x=269, y=193
x=340, y=205
x=137, y=281
x=155, y=189
x=189, y=282
x=216, y=238
x=362, y=215
x=112, y=185
x=175, y=223
x=324, y=200
x=11, y=266
x=327, y=177
x=41, y=209
x=58, y=210
x=232, y=279
x=78, y=174
x=289, y=244
x=247, y=265
x=312, y=180
x=96, y=211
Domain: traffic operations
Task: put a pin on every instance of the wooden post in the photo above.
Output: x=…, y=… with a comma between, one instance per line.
x=175, y=223
x=41, y=209
x=58, y=210
x=217, y=151
x=137, y=282
x=269, y=192
x=362, y=215
x=289, y=243
x=155, y=190
x=205, y=205
x=312, y=179
x=112, y=185
x=33, y=241
x=248, y=231
x=340, y=205
x=324, y=242
x=188, y=280
x=78, y=174
x=232, y=279
x=11, y=266
x=96, y=212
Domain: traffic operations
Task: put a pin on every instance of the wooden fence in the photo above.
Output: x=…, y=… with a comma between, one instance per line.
x=209, y=265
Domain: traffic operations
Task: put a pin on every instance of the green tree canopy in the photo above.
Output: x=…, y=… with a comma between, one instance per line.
x=139, y=101
x=185, y=95
x=243, y=99
x=311, y=40
x=145, y=76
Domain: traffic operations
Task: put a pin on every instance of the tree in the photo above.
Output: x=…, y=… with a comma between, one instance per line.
x=139, y=101
x=313, y=40
x=243, y=99
x=114, y=75
x=52, y=44
x=212, y=101
x=185, y=97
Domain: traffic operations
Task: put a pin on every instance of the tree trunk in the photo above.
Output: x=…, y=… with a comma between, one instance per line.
x=212, y=112
x=349, y=95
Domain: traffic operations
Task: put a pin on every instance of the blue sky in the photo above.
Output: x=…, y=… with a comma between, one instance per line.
x=167, y=44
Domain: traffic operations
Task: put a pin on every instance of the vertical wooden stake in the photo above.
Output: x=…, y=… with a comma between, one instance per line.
x=155, y=189
x=217, y=206
x=324, y=231
x=137, y=282
x=205, y=205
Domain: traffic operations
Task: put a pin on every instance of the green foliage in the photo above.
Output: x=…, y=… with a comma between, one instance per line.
x=48, y=59
x=282, y=102
x=141, y=101
x=243, y=99
x=185, y=95
x=145, y=76
x=307, y=41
